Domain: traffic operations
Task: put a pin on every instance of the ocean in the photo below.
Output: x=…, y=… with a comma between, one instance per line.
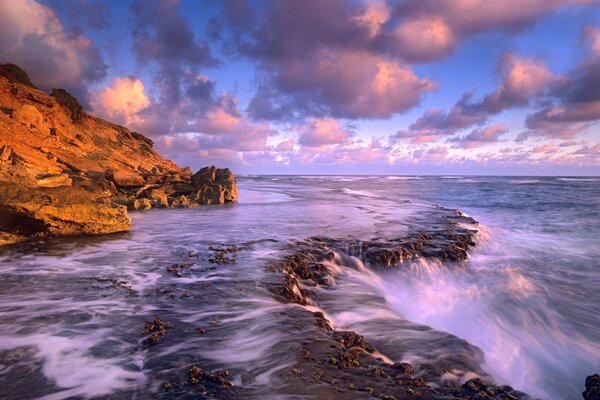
x=523, y=309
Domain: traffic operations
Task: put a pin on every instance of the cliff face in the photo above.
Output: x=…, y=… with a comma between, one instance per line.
x=65, y=172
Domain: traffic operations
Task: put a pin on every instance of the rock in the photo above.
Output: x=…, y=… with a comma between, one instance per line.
x=68, y=101
x=53, y=180
x=31, y=211
x=65, y=172
x=29, y=116
x=158, y=198
x=6, y=154
x=15, y=74
x=592, y=387
x=214, y=186
x=181, y=202
x=125, y=179
x=142, y=205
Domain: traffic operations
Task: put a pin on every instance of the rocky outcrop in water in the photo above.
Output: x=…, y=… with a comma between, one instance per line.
x=65, y=172
x=592, y=387
x=343, y=364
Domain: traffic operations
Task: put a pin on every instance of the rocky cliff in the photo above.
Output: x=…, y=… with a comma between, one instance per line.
x=65, y=172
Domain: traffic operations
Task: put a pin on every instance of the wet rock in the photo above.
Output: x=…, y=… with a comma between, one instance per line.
x=156, y=330
x=592, y=387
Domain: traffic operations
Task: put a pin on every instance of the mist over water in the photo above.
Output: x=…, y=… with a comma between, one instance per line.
x=524, y=307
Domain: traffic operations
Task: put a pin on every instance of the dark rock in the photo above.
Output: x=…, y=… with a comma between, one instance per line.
x=15, y=74
x=156, y=330
x=68, y=101
x=592, y=387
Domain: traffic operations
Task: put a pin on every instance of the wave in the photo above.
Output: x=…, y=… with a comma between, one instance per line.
x=404, y=178
x=363, y=193
x=525, y=181
x=579, y=179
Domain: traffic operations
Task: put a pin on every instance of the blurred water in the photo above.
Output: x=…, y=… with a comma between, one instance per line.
x=72, y=310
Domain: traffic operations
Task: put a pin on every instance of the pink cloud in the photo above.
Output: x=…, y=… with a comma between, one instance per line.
x=286, y=145
x=545, y=149
x=32, y=36
x=481, y=137
x=522, y=78
x=323, y=132
x=424, y=39
x=122, y=101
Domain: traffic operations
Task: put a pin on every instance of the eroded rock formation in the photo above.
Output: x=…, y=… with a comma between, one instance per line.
x=65, y=172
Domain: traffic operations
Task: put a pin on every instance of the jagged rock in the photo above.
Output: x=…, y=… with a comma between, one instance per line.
x=31, y=211
x=158, y=198
x=142, y=205
x=53, y=180
x=15, y=74
x=68, y=101
x=214, y=186
x=77, y=174
x=181, y=202
x=6, y=154
x=592, y=387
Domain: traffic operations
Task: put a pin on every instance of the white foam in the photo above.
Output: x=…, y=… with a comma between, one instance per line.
x=69, y=364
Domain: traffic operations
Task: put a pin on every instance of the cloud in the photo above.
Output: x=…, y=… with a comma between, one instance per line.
x=286, y=145
x=350, y=84
x=576, y=101
x=521, y=80
x=121, y=101
x=436, y=122
x=480, y=137
x=469, y=17
x=545, y=149
x=323, y=132
x=164, y=40
x=423, y=39
x=589, y=150
x=32, y=36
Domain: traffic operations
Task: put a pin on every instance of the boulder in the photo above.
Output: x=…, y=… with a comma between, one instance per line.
x=157, y=197
x=214, y=186
x=592, y=387
x=141, y=205
x=181, y=202
x=27, y=211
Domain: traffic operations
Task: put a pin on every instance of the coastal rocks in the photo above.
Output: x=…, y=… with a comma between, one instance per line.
x=78, y=174
x=142, y=205
x=344, y=362
x=156, y=330
x=214, y=186
x=592, y=387
x=27, y=211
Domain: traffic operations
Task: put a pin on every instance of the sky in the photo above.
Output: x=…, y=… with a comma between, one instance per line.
x=406, y=87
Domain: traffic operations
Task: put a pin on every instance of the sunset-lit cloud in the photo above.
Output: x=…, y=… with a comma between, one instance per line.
x=121, y=101
x=32, y=36
x=334, y=86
